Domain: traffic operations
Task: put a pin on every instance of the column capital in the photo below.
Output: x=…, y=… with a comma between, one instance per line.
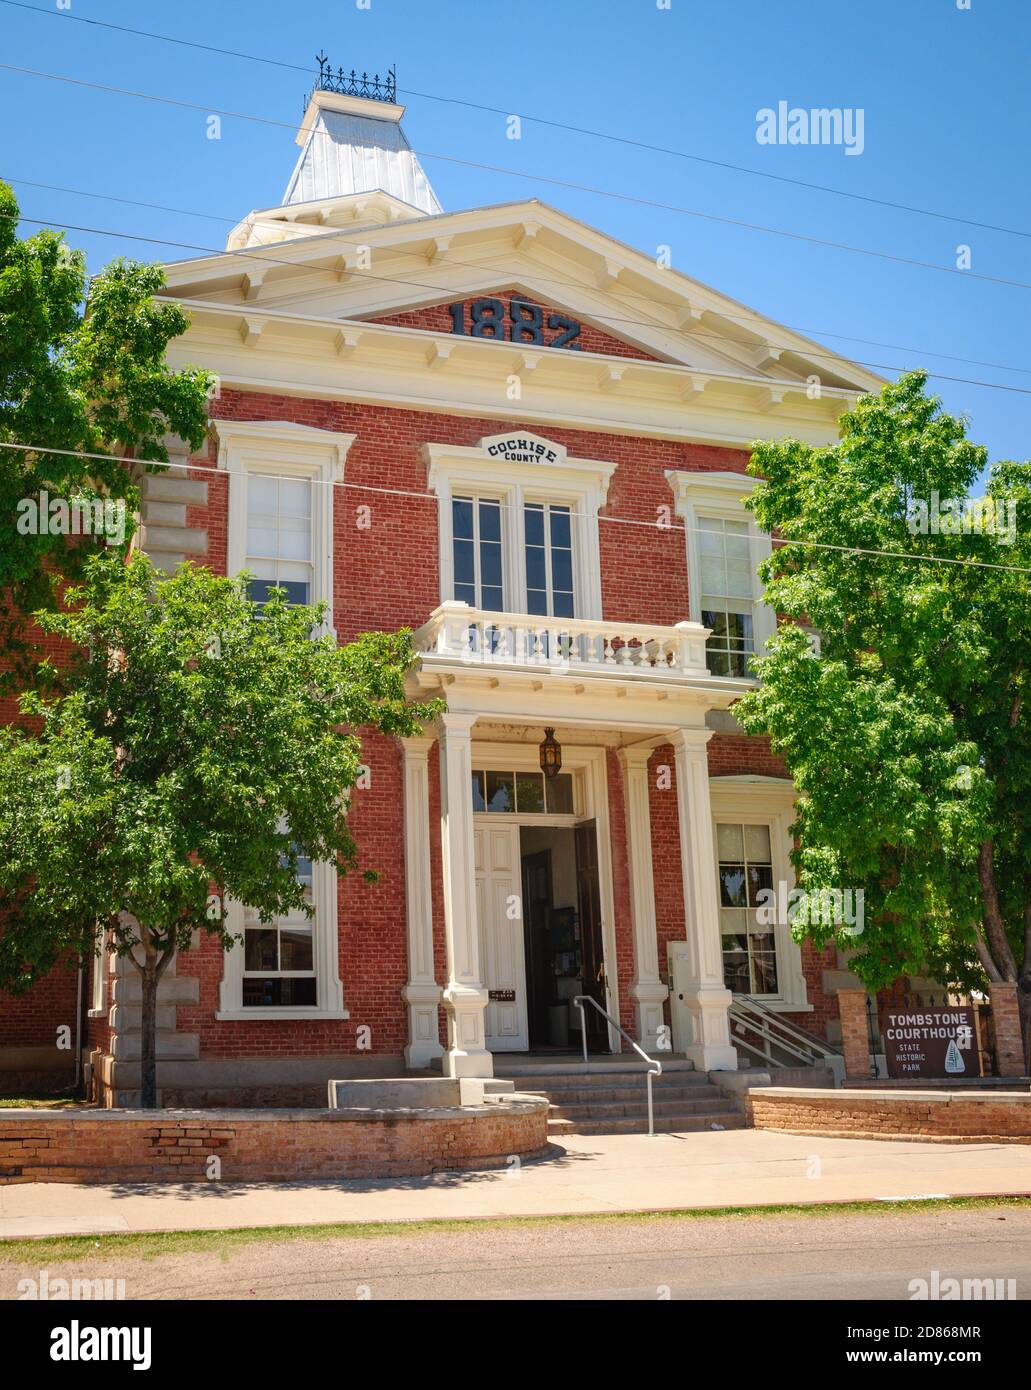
x=417, y=746
x=635, y=756
x=455, y=722
x=692, y=739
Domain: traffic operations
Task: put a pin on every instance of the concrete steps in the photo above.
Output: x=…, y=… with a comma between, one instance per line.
x=612, y=1098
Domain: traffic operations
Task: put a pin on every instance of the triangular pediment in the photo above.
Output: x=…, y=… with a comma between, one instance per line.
x=410, y=272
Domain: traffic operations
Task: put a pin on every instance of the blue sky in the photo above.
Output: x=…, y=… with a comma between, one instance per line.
x=943, y=90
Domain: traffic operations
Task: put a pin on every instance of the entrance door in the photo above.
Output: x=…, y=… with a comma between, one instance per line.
x=500, y=918
x=592, y=950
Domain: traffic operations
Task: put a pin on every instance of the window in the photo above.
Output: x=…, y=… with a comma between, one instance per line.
x=477, y=551
x=745, y=869
x=727, y=578
x=724, y=550
x=522, y=793
x=548, y=546
x=281, y=490
x=279, y=537
x=519, y=534
x=279, y=957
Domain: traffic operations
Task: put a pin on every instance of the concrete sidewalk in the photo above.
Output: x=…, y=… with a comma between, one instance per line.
x=586, y=1174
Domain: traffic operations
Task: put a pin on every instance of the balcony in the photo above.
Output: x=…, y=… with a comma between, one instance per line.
x=460, y=637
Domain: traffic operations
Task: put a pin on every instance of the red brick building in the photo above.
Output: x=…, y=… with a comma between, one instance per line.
x=527, y=442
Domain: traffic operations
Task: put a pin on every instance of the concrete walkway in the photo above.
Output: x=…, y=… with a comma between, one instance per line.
x=586, y=1174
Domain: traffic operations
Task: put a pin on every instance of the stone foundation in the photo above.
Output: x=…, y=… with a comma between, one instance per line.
x=105, y=1146
x=939, y=1115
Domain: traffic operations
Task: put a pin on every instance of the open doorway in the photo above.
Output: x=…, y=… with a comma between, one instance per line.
x=562, y=932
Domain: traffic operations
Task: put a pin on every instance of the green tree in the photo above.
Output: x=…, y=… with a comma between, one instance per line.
x=908, y=735
x=201, y=744
x=85, y=375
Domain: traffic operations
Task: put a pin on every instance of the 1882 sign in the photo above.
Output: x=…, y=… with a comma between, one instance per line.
x=518, y=322
x=929, y=1041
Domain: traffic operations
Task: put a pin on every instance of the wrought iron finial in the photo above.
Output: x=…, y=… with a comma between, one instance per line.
x=351, y=84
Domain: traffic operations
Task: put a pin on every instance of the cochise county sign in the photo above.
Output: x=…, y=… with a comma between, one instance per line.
x=930, y=1041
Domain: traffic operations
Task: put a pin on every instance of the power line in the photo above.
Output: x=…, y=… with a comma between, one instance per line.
x=554, y=182
x=555, y=125
x=566, y=283
x=511, y=506
x=697, y=371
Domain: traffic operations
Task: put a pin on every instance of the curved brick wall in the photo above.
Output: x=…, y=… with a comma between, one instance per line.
x=101, y=1146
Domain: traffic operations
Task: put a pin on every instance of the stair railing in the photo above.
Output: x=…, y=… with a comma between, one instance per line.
x=779, y=1039
x=654, y=1067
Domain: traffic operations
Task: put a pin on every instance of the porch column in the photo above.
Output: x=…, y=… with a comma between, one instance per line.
x=647, y=990
x=421, y=993
x=465, y=997
x=707, y=998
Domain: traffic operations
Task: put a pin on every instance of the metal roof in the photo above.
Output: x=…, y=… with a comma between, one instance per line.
x=357, y=154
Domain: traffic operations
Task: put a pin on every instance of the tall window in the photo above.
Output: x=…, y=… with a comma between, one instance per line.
x=727, y=572
x=279, y=960
x=279, y=537
x=745, y=869
x=547, y=529
x=476, y=547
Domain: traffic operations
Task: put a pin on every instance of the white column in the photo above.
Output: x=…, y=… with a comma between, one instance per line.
x=707, y=998
x=465, y=997
x=421, y=993
x=647, y=990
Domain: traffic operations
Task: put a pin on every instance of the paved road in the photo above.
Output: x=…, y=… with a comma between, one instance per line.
x=835, y=1256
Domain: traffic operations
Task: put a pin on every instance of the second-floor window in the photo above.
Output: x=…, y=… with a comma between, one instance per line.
x=548, y=547
x=519, y=532
x=477, y=548
x=727, y=602
x=279, y=536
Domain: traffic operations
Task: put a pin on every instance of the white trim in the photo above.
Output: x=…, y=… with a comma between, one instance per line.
x=421, y=993
x=581, y=483
x=281, y=447
x=767, y=801
x=720, y=494
x=325, y=950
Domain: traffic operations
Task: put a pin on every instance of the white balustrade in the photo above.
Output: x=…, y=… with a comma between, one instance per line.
x=477, y=636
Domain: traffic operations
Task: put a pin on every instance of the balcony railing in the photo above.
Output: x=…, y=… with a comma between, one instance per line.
x=476, y=636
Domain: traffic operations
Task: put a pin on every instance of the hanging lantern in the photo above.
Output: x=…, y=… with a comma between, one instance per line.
x=551, y=754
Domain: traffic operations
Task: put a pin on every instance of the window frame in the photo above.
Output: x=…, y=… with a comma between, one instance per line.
x=719, y=495
x=580, y=484
x=281, y=448
x=751, y=799
x=329, y=998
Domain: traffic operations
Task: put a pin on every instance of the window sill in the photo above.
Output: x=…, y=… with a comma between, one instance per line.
x=96, y=1013
x=243, y=1015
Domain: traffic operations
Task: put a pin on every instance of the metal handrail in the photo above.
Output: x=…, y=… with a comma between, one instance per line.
x=774, y=1032
x=654, y=1067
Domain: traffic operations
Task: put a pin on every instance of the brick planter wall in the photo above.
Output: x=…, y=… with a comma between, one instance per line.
x=943, y=1116
x=102, y=1146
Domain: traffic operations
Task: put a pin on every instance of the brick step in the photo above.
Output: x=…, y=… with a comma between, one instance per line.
x=636, y=1110
x=664, y=1124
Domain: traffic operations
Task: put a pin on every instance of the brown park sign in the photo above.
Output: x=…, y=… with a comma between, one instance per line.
x=931, y=1041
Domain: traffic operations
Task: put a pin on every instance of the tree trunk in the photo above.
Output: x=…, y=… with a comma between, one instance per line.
x=148, y=1040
